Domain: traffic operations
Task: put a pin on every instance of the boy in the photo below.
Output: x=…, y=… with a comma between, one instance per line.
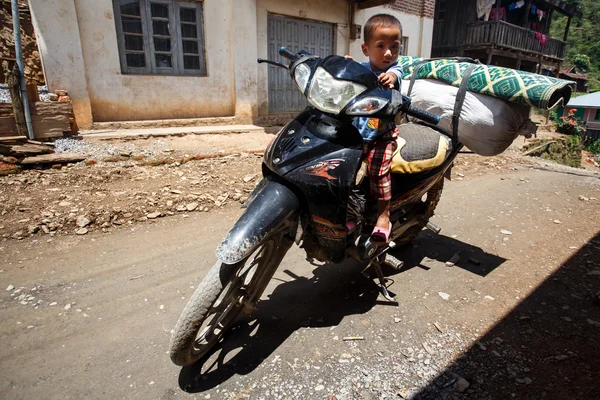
x=382, y=36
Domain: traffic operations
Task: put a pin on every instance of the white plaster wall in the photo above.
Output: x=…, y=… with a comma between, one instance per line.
x=418, y=30
x=332, y=11
x=57, y=33
x=245, y=48
x=119, y=97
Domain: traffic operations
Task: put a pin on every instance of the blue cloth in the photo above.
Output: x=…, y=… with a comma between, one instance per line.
x=371, y=128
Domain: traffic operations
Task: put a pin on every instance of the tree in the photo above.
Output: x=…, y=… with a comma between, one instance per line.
x=582, y=63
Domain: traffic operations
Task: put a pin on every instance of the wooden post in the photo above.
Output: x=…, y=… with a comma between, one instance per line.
x=527, y=11
x=497, y=9
x=519, y=54
x=13, y=79
x=489, y=59
x=567, y=28
x=548, y=21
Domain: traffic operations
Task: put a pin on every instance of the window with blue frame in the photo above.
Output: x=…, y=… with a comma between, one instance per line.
x=162, y=37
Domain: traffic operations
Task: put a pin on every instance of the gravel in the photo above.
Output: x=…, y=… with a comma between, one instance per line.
x=99, y=151
x=5, y=95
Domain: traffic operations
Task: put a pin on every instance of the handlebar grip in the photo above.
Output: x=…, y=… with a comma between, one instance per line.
x=284, y=52
x=423, y=115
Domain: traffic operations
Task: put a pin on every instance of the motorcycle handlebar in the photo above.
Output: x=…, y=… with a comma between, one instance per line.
x=284, y=52
x=423, y=115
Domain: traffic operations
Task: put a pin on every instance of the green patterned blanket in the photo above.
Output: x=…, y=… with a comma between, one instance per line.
x=518, y=86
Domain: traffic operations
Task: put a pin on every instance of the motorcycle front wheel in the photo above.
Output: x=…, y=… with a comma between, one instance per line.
x=227, y=290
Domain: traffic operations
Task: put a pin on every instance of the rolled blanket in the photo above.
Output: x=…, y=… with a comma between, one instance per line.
x=509, y=84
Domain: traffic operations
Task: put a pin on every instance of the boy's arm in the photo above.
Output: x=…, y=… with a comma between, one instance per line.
x=398, y=71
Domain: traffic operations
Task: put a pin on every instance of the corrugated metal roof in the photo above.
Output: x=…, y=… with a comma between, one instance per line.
x=588, y=100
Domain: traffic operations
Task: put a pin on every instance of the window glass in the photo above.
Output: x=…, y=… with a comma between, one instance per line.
x=190, y=46
x=167, y=33
x=161, y=44
x=187, y=14
x=163, y=61
x=161, y=28
x=597, y=116
x=191, y=62
x=159, y=10
x=131, y=25
x=189, y=31
x=135, y=60
x=134, y=42
x=130, y=7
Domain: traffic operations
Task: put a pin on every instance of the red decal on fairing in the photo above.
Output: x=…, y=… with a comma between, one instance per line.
x=322, y=169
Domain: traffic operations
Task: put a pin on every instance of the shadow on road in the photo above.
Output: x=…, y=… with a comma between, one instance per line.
x=442, y=248
x=323, y=300
x=548, y=347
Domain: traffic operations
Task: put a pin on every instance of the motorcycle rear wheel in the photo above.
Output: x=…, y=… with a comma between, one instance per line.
x=433, y=198
x=227, y=290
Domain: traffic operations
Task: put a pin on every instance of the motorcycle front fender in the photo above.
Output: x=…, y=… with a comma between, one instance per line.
x=274, y=209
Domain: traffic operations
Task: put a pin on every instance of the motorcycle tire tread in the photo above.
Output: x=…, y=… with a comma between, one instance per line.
x=195, y=310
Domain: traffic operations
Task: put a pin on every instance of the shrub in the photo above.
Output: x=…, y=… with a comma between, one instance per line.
x=570, y=125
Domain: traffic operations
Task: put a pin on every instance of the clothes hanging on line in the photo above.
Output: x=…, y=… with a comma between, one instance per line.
x=483, y=8
x=501, y=12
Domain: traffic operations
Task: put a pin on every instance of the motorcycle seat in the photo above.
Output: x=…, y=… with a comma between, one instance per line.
x=420, y=148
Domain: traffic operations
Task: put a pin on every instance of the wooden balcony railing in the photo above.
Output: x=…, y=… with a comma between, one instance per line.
x=513, y=37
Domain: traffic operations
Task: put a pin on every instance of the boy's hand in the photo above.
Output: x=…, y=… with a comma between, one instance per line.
x=388, y=79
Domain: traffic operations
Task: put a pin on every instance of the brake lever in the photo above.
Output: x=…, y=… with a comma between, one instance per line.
x=275, y=63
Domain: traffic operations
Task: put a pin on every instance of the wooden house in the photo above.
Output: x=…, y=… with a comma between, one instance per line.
x=506, y=33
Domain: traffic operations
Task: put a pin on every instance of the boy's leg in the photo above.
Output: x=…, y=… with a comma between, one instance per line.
x=379, y=163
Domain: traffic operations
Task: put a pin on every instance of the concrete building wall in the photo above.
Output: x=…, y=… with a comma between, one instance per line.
x=83, y=57
x=79, y=50
x=57, y=32
x=416, y=17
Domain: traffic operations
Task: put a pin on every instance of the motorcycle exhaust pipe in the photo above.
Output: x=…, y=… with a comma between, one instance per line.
x=433, y=227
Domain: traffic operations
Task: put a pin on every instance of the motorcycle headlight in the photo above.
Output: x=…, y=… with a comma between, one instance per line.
x=366, y=106
x=330, y=95
x=301, y=75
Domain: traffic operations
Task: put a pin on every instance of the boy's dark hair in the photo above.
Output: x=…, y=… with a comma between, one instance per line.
x=380, y=20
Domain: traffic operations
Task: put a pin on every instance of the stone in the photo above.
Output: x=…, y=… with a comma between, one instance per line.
x=505, y=232
x=444, y=296
x=68, y=306
x=249, y=178
x=33, y=229
x=318, y=388
x=462, y=384
x=9, y=288
x=82, y=231
x=583, y=198
x=83, y=221
x=453, y=260
x=154, y=215
x=191, y=206
x=489, y=298
x=557, y=221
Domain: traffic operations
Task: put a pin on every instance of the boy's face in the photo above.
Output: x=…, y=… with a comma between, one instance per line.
x=383, y=47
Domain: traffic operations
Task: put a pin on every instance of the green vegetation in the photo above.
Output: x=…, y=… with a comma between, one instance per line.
x=583, y=45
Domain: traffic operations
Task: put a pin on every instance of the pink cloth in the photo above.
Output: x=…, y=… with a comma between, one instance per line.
x=501, y=12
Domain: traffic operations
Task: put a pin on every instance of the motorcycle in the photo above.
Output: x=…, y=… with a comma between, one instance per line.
x=314, y=192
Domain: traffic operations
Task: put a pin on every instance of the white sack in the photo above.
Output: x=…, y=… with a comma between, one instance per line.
x=487, y=126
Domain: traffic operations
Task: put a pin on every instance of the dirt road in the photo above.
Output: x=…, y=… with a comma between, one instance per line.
x=512, y=319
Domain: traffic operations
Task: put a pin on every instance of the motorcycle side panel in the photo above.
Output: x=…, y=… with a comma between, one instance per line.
x=274, y=208
x=320, y=158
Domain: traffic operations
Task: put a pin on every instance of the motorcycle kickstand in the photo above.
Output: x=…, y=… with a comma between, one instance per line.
x=376, y=264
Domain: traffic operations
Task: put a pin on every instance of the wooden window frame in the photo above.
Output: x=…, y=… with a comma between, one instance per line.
x=174, y=20
x=404, y=46
x=597, y=114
